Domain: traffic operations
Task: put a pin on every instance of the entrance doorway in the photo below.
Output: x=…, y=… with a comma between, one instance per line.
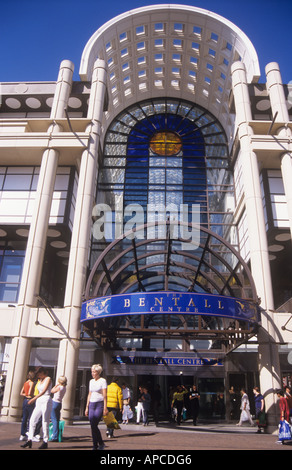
x=212, y=394
x=82, y=387
x=212, y=398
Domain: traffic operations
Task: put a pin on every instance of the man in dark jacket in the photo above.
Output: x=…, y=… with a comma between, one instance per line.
x=146, y=400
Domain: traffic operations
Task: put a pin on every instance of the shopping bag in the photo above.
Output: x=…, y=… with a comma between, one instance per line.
x=61, y=430
x=244, y=416
x=284, y=431
x=111, y=421
x=261, y=419
x=184, y=414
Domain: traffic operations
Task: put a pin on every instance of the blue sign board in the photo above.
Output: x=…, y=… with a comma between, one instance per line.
x=160, y=303
x=168, y=361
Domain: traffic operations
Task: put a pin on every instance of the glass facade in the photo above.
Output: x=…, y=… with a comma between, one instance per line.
x=18, y=189
x=160, y=155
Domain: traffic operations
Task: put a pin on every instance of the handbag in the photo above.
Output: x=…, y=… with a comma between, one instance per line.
x=111, y=421
x=284, y=431
x=244, y=416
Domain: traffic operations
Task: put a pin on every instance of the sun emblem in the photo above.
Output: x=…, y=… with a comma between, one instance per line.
x=165, y=143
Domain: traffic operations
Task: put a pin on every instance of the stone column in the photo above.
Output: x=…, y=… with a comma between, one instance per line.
x=269, y=365
x=276, y=92
x=286, y=168
x=33, y=263
x=279, y=106
x=80, y=242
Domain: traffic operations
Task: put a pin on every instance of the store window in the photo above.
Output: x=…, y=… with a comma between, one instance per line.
x=18, y=187
x=11, y=265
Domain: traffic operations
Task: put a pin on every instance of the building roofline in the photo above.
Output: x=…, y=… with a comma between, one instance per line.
x=85, y=69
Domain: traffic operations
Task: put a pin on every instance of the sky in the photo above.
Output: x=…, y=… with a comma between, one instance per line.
x=36, y=35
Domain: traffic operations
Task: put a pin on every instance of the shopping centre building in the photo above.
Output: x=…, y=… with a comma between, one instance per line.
x=146, y=215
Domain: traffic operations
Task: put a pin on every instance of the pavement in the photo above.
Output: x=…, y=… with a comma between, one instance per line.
x=165, y=438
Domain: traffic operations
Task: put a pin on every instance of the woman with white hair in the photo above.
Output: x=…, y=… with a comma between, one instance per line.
x=96, y=406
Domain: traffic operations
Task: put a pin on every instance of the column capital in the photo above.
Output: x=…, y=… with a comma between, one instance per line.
x=273, y=67
x=286, y=156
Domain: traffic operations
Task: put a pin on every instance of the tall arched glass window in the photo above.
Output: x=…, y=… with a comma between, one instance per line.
x=167, y=151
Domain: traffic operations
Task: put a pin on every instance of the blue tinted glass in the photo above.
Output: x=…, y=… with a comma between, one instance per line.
x=135, y=151
x=10, y=276
x=187, y=181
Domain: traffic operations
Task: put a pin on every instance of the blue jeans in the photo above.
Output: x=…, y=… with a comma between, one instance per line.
x=145, y=415
x=26, y=414
x=95, y=413
x=55, y=418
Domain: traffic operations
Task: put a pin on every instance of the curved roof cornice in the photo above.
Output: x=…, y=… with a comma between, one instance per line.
x=170, y=50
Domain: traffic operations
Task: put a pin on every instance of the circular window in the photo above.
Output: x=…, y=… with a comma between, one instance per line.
x=165, y=143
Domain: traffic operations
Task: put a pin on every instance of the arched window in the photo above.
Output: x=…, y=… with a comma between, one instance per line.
x=164, y=153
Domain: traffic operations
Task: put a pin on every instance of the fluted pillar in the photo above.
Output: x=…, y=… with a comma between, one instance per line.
x=280, y=111
x=78, y=259
x=276, y=92
x=286, y=169
x=269, y=365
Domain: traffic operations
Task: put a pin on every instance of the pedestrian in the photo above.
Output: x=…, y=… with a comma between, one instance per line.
x=43, y=408
x=259, y=409
x=139, y=407
x=156, y=402
x=126, y=392
x=127, y=411
x=283, y=405
x=234, y=403
x=171, y=409
x=178, y=401
x=146, y=400
x=27, y=392
x=288, y=396
x=245, y=409
x=58, y=391
x=194, y=398
x=96, y=406
x=114, y=402
x=284, y=416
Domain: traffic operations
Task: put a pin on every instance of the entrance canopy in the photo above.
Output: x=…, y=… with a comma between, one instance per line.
x=170, y=286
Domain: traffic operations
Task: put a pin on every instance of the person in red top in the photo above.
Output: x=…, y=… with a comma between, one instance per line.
x=288, y=396
x=283, y=405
